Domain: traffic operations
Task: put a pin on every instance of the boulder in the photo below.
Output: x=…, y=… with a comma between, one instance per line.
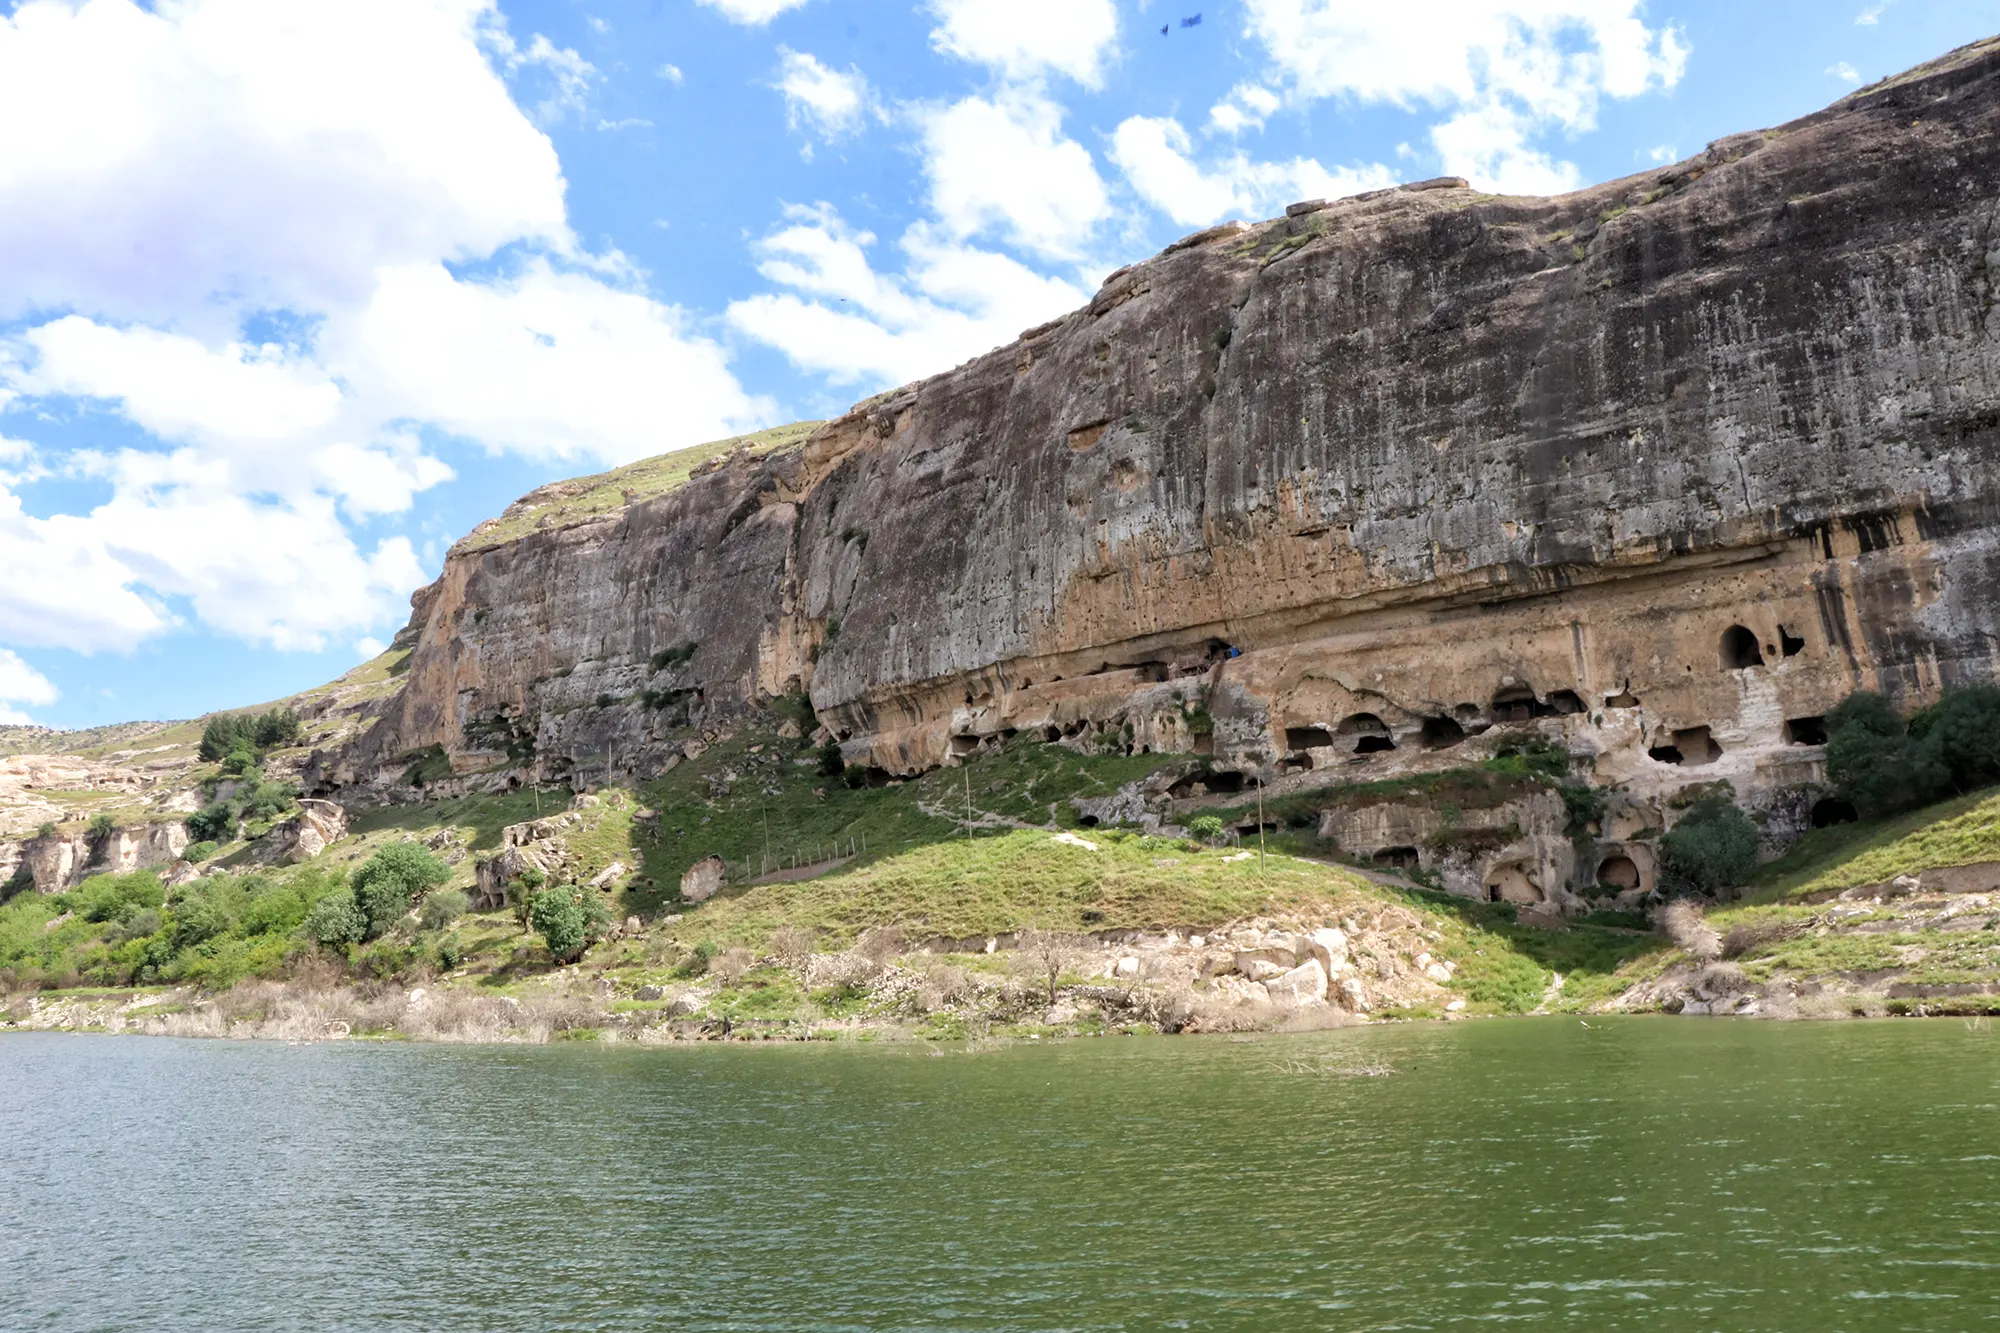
x=1328, y=946
x=702, y=880
x=1258, y=969
x=1350, y=995
x=1125, y=967
x=1304, y=984
x=1283, y=957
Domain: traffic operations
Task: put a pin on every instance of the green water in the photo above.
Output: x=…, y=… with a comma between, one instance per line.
x=1671, y=1174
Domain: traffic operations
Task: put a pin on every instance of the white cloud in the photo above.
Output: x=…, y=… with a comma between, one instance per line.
x=820, y=98
x=1872, y=15
x=1247, y=107
x=628, y=123
x=1025, y=39
x=1664, y=153
x=843, y=319
x=671, y=73
x=1488, y=144
x=1156, y=156
x=21, y=684
x=1003, y=165
x=368, y=647
x=1845, y=72
x=358, y=173
x=275, y=151
x=753, y=12
x=1504, y=70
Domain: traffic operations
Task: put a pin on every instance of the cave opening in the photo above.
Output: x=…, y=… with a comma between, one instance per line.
x=1397, y=858
x=1620, y=872
x=1515, y=703
x=1664, y=754
x=1374, y=745
x=1832, y=810
x=1307, y=738
x=1440, y=733
x=1697, y=746
x=1623, y=699
x=1369, y=734
x=1790, y=645
x=1740, y=649
x=1805, y=731
x=1564, y=702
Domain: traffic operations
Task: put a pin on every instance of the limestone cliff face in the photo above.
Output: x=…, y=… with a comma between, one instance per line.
x=1664, y=468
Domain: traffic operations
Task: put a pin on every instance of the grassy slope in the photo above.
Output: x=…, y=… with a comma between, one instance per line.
x=921, y=870
x=588, y=497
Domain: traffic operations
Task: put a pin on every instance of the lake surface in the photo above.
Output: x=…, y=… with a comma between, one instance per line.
x=1659, y=1174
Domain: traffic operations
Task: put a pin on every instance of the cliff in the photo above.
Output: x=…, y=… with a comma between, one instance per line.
x=1661, y=470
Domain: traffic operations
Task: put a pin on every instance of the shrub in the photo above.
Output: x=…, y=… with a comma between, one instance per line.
x=1584, y=805
x=1712, y=848
x=792, y=948
x=216, y=823
x=199, y=918
x=730, y=965
x=100, y=828
x=1870, y=758
x=1045, y=955
x=443, y=907
x=451, y=952
x=116, y=897
x=568, y=917
x=242, y=763
x=1208, y=828
x=1682, y=922
x=197, y=852
x=1958, y=738
x=389, y=881
x=47, y=829
x=267, y=800
x=250, y=733
x=335, y=921
x=830, y=762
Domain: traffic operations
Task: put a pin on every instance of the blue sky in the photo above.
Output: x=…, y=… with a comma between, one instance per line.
x=294, y=292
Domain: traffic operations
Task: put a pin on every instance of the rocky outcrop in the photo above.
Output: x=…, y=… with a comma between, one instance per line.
x=1661, y=469
x=317, y=826
x=59, y=861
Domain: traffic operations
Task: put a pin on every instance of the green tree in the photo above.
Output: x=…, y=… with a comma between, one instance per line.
x=1712, y=848
x=335, y=921
x=442, y=907
x=215, y=823
x=389, y=881
x=568, y=917
x=100, y=828
x=1872, y=759
x=1957, y=739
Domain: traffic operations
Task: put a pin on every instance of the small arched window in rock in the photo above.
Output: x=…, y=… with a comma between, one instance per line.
x=1307, y=738
x=1664, y=754
x=1833, y=810
x=1740, y=649
x=1791, y=646
x=1623, y=699
x=1397, y=858
x=1563, y=702
x=1367, y=733
x=1440, y=733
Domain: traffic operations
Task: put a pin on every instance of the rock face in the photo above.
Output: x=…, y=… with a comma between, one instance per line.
x=1662, y=470
x=316, y=826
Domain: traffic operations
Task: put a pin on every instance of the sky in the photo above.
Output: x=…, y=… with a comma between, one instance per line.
x=295, y=292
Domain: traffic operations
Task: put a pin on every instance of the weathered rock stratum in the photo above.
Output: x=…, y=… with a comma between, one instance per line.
x=1663, y=469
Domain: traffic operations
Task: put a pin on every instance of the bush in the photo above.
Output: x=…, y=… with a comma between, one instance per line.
x=451, y=952
x=389, y=881
x=1530, y=755
x=197, y=852
x=199, y=918
x=830, y=763
x=214, y=824
x=1958, y=738
x=442, y=908
x=100, y=828
x=1208, y=828
x=116, y=897
x=267, y=800
x=1870, y=758
x=1713, y=848
x=568, y=918
x=335, y=921
x=242, y=762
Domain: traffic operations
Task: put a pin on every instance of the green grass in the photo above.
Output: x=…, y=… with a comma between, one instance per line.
x=588, y=497
x=1961, y=831
x=966, y=887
